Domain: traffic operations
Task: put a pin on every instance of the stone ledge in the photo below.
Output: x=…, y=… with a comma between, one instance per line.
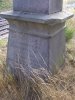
x=42, y=18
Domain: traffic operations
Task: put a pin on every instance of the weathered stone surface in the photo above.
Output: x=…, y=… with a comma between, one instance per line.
x=27, y=45
x=38, y=18
x=36, y=40
x=38, y=6
x=36, y=46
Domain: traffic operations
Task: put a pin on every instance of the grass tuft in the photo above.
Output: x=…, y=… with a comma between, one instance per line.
x=70, y=28
x=69, y=33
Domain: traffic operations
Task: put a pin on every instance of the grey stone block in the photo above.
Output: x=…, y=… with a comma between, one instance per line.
x=36, y=41
x=38, y=6
x=27, y=46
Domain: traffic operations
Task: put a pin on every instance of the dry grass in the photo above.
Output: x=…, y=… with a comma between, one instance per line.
x=58, y=87
x=8, y=86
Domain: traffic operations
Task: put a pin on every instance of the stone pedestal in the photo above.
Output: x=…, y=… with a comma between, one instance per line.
x=36, y=46
x=36, y=41
x=36, y=38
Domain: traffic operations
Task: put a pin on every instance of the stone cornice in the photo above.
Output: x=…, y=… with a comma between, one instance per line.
x=42, y=18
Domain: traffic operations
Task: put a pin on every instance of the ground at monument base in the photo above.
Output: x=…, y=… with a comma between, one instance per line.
x=60, y=86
